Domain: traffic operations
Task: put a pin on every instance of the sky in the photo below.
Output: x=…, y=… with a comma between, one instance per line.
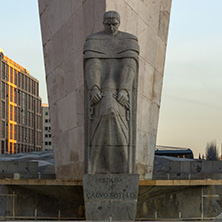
x=191, y=106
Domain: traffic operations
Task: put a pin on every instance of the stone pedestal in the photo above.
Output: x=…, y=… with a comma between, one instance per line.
x=110, y=197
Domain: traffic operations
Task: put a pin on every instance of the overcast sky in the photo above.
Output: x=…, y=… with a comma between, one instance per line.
x=191, y=107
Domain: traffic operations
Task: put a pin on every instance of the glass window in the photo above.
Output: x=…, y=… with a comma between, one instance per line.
x=19, y=79
x=3, y=129
x=3, y=147
x=22, y=81
x=3, y=109
x=3, y=70
x=11, y=93
x=15, y=77
x=15, y=95
x=6, y=74
x=26, y=82
x=11, y=74
x=11, y=112
x=3, y=90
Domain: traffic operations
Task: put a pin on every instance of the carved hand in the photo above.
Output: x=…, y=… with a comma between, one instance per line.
x=122, y=98
x=96, y=96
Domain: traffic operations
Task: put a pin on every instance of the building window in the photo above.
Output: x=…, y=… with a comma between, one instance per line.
x=50, y=143
x=11, y=74
x=46, y=128
x=46, y=113
x=15, y=77
x=46, y=135
x=3, y=70
x=3, y=129
x=3, y=110
x=3, y=90
x=19, y=79
x=50, y=135
x=46, y=143
x=3, y=147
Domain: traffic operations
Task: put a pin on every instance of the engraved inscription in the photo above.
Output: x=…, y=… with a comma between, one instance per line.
x=107, y=180
x=112, y=195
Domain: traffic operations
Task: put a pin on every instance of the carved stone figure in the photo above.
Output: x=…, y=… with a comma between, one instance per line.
x=110, y=73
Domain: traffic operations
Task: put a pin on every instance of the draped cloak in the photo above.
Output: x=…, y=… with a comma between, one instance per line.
x=111, y=65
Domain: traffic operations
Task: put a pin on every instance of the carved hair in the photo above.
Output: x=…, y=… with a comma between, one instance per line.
x=111, y=15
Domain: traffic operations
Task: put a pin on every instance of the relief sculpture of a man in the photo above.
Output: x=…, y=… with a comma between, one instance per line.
x=111, y=74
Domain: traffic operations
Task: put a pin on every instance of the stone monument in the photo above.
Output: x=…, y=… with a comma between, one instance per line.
x=65, y=26
x=111, y=76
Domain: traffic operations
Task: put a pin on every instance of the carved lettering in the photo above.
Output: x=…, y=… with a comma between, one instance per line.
x=107, y=181
x=112, y=195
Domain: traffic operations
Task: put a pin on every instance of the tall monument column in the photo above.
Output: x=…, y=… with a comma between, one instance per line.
x=65, y=26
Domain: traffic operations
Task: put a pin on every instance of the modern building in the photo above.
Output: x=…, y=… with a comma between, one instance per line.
x=20, y=109
x=46, y=128
x=179, y=152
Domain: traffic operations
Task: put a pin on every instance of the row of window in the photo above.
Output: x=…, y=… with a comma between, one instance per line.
x=20, y=98
x=21, y=134
x=18, y=148
x=19, y=79
x=48, y=143
x=48, y=135
x=48, y=128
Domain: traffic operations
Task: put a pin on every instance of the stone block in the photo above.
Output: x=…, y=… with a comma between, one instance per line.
x=160, y=55
x=163, y=25
x=207, y=167
x=196, y=167
x=134, y=5
x=110, y=196
x=76, y=5
x=48, y=58
x=44, y=12
x=157, y=87
x=175, y=167
x=66, y=10
x=165, y=5
x=185, y=167
x=216, y=167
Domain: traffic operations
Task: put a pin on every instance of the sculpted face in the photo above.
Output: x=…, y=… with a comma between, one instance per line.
x=111, y=25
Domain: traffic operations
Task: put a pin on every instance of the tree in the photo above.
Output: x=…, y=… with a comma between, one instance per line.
x=211, y=151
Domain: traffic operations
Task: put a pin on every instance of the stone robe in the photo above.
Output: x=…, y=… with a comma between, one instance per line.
x=111, y=65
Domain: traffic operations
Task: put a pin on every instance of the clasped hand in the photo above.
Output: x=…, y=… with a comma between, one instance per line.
x=96, y=96
x=121, y=97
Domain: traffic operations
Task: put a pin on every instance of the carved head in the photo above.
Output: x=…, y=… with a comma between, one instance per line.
x=111, y=22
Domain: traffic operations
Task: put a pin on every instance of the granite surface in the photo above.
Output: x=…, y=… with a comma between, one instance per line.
x=110, y=196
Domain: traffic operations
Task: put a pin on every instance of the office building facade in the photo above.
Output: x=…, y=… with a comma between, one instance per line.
x=20, y=109
x=46, y=128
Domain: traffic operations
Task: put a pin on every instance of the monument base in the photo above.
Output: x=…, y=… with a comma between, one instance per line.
x=110, y=197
